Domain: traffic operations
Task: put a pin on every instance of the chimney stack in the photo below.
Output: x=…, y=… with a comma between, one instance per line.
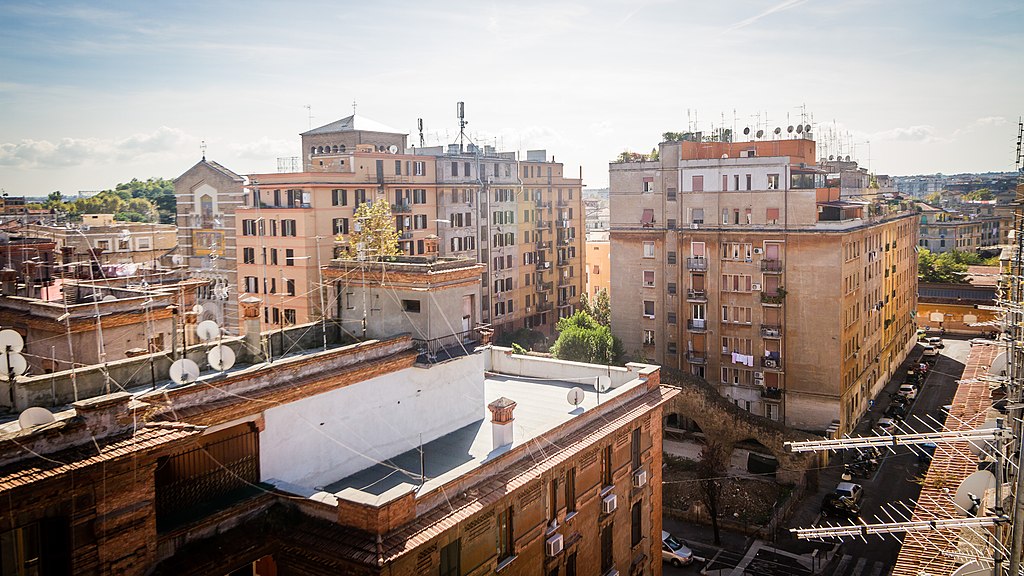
x=501, y=421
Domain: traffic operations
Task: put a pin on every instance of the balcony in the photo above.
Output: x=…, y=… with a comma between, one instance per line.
x=544, y=286
x=697, y=325
x=446, y=347
x=771, y=331
x=696, y=296
x=562, y=203
x=770, y=266
x=544, y=307
x=565, y=241
x=694, y=357
x=564, y=262
x=544, y=245
x=407, y=235
x=563, y=302
x=563, y=223
x=773, y=298
x=697, y=264
x=564, y=281
x=541, y=204
x=401, y=208
x=771, y=393
x=543, y=266
x=772, y=362
x=541, y=223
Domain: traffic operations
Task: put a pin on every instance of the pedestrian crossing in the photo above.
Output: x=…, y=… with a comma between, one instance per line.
x=859, y=566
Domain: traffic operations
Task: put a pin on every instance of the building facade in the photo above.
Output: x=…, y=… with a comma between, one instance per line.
x=943, y=231
x=735, y=262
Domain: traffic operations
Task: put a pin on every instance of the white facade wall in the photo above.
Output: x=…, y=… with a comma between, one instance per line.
x=713, y=170
x=324, y=438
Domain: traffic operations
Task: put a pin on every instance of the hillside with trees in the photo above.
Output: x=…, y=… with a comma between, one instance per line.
x=148, y=200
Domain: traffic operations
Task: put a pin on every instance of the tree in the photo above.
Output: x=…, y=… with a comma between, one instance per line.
x=585, y=304
x=935, y=198
x=581, y=339
x=374, y=231
x=946, y=268
x=982, y=194
x=601, y=309
x=710, y=470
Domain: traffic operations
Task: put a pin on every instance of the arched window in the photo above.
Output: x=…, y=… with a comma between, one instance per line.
x=335, y=150
x=312, y=149
x=341, y=148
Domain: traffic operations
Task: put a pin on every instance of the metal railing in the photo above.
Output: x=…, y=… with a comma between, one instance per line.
x=771, y=266
x=446, y=347
x=771, y=362
x=696, y=295
x=771, y=331
x=772, y=297
x=696, y=325
x=696, y=263
x=696, y=357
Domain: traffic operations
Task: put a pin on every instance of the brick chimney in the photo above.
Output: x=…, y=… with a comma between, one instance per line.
x=501, y=421
x=251, y=327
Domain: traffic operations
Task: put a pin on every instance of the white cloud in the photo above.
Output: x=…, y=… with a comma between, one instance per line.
x=76, y=151
x=264, y=148
x=921, y=133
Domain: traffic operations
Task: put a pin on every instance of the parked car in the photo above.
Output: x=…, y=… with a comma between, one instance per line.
x=886, y=425
x=675, y=551
x=930, y=350
x=936, y=341
x=896, y=410
x=976, y=341
x=851, y=491
x=835, y=505
x=908, y=390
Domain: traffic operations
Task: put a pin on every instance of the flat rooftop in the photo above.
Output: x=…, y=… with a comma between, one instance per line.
x=541, y=405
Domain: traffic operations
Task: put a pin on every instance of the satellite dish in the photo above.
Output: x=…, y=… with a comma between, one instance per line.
x=177, y=259
x=972, y=568
x=975, y=485
x=778, y=130
x=807, y=127
x=831, y=157
x=847, y=158
x=393, y=149
x=575, y=396
x=799, y=128
x=109, y=298
x=221, y=358
x=184, y=371
x=604, y=383
x=35, y=416
x=746, y=131
x=207, y=330
x=11, y=340
x=197, y=309
x=12, y=363
x=760, y=133
x=979, y=446
x=789, y=129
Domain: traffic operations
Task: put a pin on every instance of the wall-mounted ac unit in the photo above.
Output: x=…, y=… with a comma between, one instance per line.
x=609, y=503
x=758, y=250
x=553, y=545
x=694, y=226
x=759, y=375
x=755, y=287
x=639, y=478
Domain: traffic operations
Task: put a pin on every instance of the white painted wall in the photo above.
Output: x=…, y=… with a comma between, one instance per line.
x=505, y=362
x=324, y=438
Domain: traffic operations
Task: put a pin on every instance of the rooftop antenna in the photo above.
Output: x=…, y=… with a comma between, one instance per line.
x=202, y=146
x=309, y=114
x=461, y=113
x=353, y=106
x=419, y=126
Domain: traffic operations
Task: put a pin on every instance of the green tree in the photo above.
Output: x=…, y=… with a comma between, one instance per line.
x=585, y=303
x=374, y=231
x=601, y=308
x=581, y=339
x=935, y=198
x=982, y=194
x=948, y=267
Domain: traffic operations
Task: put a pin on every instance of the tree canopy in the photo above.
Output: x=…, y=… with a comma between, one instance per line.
x=981, y=194
x=947, y=267
x=374, y=231
x=582, y=339
x=136, y=201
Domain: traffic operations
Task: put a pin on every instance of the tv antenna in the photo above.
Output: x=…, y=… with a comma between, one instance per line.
x=461, y=112
x=603, y=383
x=419, y=126
x=309, y=114
x=207, y=330
x=221, y=358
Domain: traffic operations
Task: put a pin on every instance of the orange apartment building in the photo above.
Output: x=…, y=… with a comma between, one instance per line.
x=735, y=263
x=598, y=262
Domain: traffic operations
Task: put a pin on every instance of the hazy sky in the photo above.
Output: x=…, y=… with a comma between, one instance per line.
x=92, y=94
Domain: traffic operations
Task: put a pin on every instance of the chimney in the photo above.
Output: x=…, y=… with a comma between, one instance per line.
x=9, y=282
x=251, y=327
x=501, y=421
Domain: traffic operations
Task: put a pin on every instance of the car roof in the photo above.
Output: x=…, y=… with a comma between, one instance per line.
x=847, y=486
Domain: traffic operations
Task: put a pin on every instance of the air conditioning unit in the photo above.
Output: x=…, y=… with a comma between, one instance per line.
x=758, y=375
x=639, y=478
x=755, y=287
x=771, y=363
x=694, y=226
x=758, y=250
x=609, y=503
x=553, y=545
x=758, y=381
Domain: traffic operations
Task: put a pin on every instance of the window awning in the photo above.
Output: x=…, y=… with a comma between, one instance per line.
x=648, y=216
x=773, y=214
x=648, y=178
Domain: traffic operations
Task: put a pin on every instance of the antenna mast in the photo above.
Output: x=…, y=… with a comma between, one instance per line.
x=461, y=112
x=419, y=126
x=309, y=114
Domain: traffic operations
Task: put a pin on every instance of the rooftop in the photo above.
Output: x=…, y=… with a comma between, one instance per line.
x=352, y=123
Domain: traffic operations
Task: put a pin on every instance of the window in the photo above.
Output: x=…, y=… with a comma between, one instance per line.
x=671, y=256
x=648, y=249
x=289, y=257
x=671, y=194
x=773, y=181
x=698, y=183
x=606, y=466
x=248, y=255
x=455, y=169
x=339, y=197
x=607, y=541
x=671, y=287
x=648, y=278
x=648, y=337
x=340, y=225
x=142, y=243
x=291, y=287
x=450, y=559
x=288, y=227
x=273, y=256
x=248, y=227
x=418, y=168
x=634, y=448
x=748, y=181
x=465, y=166
x=289, y=315
x=636, y=531
x=772, y=215
x=505, y=534
x=570, y=565
x=649, y=308
x=570, y=491
x=648, y=184
x=698, y=216
x=251, y=285
x=671, y=319
x=552, y=501
x=21, y=554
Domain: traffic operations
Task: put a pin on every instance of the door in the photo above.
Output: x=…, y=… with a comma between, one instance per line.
x=771, y=251
x=467, y=313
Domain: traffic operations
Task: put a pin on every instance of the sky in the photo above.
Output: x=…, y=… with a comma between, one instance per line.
x=93, y=94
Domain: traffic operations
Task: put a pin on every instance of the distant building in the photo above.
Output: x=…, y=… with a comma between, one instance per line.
x=943, y=231
x=599, y=263
x=736, y=262
x=109, y=243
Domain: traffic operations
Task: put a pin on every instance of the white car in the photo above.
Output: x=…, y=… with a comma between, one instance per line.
x=675, y=551
x=930, y=350
x=908, y=390
x=936, y=341
x=886, y=425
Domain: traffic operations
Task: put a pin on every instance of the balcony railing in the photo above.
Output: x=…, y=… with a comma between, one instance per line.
x=696, y=357
x=773, y=298
x=544, y=307
x=542, y=204
x=770, y=331
x=564, y=281
x=771, y=266
x=543, y=265
x=771, y=393
x=563, y=223
x=697, y=295
x=407, y=235
x=565, y=241
x=771, y=362
x=564, y=262
x=563, y=302
x=544, y=245
x=544, y=286
x=402, y=208
x=696, y=325
x=541, y=223
x=446, y=347
x=696, y=263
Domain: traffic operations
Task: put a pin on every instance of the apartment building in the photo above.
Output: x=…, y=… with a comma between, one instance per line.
x=735, y=262
x=598, y=262
x=984, y=225
x=108, y=242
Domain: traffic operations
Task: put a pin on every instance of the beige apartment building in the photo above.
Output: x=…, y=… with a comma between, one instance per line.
x=598, y=262
x=736, y=263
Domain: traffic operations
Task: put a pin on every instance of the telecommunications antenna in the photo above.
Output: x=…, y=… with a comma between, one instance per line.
x=12, y=363
x=11, y=341
x=207, y=330
x=604, y=383
x=184, y=371
x=760, y=133
x=109, y=298
x=575, y=396
x=221, y=358
x=393, y=149
x=177, y=259
x=35, y=416
x=974, y=485
x=807, y=128
x=746, y=131
x=979, y=446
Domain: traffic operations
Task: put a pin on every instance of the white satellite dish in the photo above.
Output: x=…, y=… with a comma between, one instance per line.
x=207, y=330
x=35, y=416
x=393, y=149
x=979, y=446
x=221, y=358
x=975, y=484
x=184, y=371
x=972, y=568
x=11, y=340
x=575, y=396
x=109, y=298
x=197, y=309
x=177, y=259
x=12, y=363
x=604, y=383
